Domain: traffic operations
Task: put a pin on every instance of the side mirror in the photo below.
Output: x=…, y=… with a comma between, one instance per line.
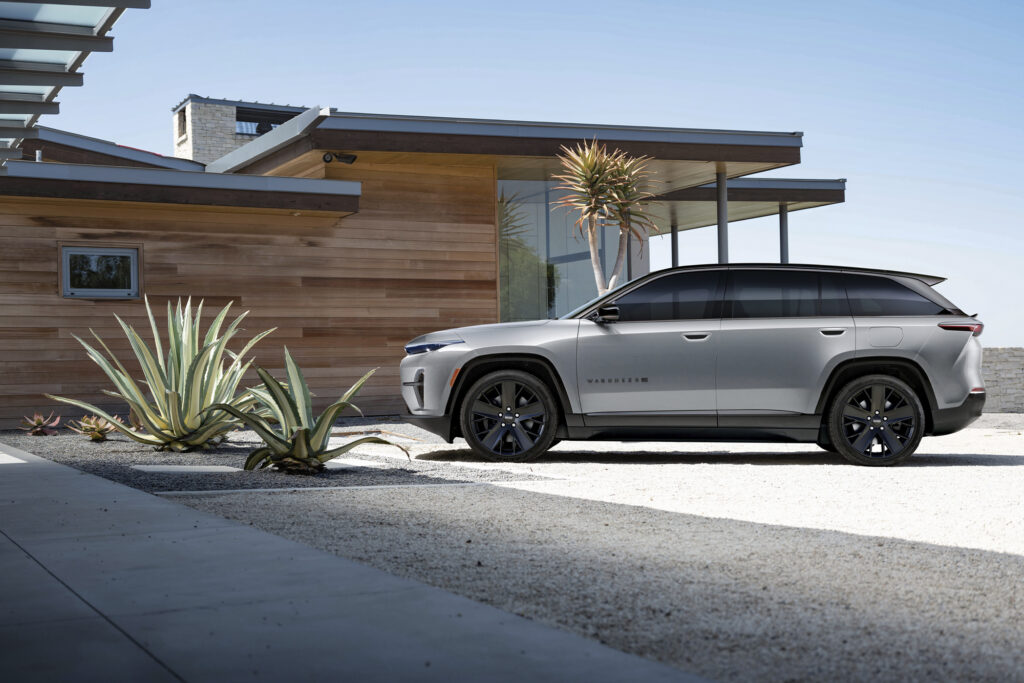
x=608, y=313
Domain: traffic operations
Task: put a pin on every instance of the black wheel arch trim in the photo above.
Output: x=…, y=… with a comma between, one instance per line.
x=535, y=364
x=901, y=368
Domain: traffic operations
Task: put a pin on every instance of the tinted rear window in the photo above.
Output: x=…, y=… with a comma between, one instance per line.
x=873, y=295
x=785, y=294
x=681, y=296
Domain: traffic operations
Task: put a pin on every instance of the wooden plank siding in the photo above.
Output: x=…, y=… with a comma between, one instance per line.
x=346, y=294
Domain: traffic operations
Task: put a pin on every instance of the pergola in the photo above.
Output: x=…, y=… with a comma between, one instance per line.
x=42, y=48
x=737, y=199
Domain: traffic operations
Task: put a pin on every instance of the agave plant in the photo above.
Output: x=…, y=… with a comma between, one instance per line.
x=299, y=444
x=93, y=426
x=173, y=402
x=37, y=425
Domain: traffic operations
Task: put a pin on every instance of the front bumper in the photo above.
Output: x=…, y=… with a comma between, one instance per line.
x=435, y=424
x=954, y=419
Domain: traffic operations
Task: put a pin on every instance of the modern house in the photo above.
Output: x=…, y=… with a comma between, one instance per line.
x=350, y=233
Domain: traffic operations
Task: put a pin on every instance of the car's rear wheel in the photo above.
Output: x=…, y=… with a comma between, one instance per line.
x=509, y=416
x=876, y=420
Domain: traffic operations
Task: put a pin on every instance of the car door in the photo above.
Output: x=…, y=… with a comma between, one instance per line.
x=782, y=333
x=659, y=357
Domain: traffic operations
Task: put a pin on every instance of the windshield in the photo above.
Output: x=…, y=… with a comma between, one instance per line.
x=575, y=312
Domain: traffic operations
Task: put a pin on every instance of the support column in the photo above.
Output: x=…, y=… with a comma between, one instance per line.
x=722, y=186
x=783, y=232
x=675, y=245
x=629, y=257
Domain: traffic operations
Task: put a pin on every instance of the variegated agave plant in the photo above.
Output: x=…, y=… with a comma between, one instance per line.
x=299, y=445
x=173, y=402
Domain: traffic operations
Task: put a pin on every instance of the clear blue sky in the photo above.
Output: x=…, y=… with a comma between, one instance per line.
x=918, y=104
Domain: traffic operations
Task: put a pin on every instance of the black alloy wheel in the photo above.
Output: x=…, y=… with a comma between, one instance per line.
x=876, y=420
x=509, y=416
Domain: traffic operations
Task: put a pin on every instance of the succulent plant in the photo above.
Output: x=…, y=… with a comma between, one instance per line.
x=37, y=425
x=173, y=401
x=93, y=426
x=299, y=445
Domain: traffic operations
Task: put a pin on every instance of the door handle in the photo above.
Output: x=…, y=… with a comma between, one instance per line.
x=696, y=336
x=832, y=331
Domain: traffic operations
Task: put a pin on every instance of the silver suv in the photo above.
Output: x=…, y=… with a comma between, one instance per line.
x=862, y=362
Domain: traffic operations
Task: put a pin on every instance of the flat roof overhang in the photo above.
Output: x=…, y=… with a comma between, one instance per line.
x=682, y=157
x=63, y=146
x=165, y=186
x=696, y=207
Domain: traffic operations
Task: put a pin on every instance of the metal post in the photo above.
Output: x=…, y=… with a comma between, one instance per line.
x=629, y=257
x=722, y=185
x=675, y=245
x=783, y=232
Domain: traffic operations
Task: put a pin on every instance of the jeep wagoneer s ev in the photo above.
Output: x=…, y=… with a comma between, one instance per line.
x=862, y=362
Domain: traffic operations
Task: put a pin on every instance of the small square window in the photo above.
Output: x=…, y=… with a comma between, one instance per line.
x=100, y=272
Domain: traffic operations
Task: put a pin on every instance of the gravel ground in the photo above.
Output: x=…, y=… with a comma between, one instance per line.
x=114, y=458
x=734, y=561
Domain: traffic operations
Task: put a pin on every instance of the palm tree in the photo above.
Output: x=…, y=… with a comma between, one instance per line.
x=605, y=185
x=630, y=191
x=587, y=179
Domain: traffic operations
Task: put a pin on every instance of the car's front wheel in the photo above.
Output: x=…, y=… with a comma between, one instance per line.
x=510, y=416
x=876, y=420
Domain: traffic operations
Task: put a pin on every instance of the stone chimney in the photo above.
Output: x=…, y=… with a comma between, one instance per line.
x=206, y=129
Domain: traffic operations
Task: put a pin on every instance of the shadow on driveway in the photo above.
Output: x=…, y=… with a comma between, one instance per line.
x=682, y=457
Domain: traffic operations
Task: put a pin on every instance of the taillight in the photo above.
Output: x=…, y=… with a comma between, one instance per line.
x=974, y=328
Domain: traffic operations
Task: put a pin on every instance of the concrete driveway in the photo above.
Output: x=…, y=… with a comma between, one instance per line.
x=735, y=562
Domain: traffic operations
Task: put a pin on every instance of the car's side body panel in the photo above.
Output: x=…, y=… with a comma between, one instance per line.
x=779, y=365
x=640, y=367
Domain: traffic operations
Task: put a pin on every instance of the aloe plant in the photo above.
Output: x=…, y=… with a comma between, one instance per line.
x=173, y=402
x=299, y=444
x=94, y=427
x=37, y=425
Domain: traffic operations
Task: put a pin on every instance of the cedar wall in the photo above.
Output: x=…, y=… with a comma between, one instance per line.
x=344, y=293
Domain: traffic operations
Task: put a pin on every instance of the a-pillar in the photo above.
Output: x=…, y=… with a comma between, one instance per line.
x=783, y=232
x=722, y=186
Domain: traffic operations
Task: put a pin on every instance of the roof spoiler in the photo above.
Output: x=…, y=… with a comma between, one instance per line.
x=930, y=280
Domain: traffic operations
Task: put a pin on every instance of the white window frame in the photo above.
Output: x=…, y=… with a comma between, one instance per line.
x=67, y=251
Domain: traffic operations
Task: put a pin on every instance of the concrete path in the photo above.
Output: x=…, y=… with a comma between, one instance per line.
x=102, y=582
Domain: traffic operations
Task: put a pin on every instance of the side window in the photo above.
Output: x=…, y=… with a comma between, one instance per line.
x=100, y=272
x=680, y=296
x=833, y=301
x=877, y=295
x=774, y=294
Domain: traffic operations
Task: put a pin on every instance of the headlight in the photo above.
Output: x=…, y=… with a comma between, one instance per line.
x=430, y=346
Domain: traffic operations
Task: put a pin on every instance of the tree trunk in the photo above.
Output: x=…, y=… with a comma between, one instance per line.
x=595, y=256
x=620, y=258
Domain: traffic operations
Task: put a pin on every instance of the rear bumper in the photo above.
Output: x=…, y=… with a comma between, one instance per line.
x=954, y=419
x=435, y=424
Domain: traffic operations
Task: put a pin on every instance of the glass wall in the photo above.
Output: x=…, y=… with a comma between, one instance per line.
x=544, y=261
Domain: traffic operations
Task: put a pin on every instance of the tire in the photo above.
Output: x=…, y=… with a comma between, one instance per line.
x=827, y=446
x=876, y=420
x=513, y=435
